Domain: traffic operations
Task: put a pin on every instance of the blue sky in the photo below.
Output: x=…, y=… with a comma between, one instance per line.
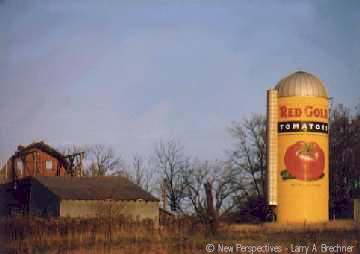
x=131, y=73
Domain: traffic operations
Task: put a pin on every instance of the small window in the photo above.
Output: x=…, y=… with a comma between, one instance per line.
x=20, y=166
x=49, y=165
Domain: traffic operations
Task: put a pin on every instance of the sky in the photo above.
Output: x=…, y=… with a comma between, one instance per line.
x=131, y=73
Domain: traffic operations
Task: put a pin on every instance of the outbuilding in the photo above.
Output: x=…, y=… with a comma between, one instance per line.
x=356, y=202
x=66, y=196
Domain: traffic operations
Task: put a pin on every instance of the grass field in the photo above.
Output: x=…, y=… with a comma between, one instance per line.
x=100, y=236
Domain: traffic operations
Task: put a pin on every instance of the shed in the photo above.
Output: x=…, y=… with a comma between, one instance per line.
x=67, y=196
x=355, y=194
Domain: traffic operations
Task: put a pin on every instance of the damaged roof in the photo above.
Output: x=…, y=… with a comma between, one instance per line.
x=45, y=148
x=93, y=188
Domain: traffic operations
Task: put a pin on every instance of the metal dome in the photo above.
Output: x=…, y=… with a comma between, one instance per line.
x=301, y=83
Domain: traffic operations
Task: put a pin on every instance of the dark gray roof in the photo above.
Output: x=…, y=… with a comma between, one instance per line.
x=93, y=188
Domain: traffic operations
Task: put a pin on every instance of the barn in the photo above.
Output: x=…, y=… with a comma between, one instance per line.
x=85, y=197
x=37, y=158
x=38, y=180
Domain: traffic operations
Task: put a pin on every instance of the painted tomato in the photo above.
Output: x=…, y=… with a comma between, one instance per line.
x=305, y=160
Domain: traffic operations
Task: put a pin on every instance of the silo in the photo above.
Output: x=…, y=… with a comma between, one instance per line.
x=298, y=172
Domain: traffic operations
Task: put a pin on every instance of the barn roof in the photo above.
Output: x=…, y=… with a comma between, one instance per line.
x=93, y=188
x=45, y=148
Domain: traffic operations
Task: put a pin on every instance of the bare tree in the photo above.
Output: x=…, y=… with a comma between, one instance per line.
x=195, y=178
x=248, y=157
x=138, y=167
x=224, y=184
x=141, y=174
x=103, y=161
x=343, y=160
x=171, y=164
x=249, y=153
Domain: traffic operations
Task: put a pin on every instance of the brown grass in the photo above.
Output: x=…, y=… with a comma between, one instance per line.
x=118, y=235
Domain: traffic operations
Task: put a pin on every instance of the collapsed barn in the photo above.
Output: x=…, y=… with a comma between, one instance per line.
x=38, y=180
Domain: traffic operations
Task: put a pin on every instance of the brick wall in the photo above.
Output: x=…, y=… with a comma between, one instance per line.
x=4, y=172
x=35, y=162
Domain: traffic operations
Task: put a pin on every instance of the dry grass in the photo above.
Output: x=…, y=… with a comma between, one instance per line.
x=37, y=235
x=277, y=227
x=101, y=235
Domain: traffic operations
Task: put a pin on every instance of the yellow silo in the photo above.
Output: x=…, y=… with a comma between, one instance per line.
x=298, y=164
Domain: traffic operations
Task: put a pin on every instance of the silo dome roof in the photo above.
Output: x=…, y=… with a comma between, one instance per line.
x=301, y=83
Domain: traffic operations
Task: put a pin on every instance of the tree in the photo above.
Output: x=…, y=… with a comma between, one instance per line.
x=249, y=153
x=224, y=186
x=141, y=174
x=194, y=179
x=103, y=161
x=344, y=159
x=172, y=165
x=248, y=157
